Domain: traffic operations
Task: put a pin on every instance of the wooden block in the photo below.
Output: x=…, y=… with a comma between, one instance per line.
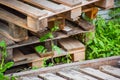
x=36, y=24
x=7, y=16
x=92, y=13
x=13, y=32
x=69, y=2
x=107, y=4
x=75, y=75
x=60, y=21
x=98, y=74
x=18, y=56
x=79, y=56
x=70, y=44
x=47, y=5
x=24, y=8
x=37, y=64
x=110, y=70
x=50, y=76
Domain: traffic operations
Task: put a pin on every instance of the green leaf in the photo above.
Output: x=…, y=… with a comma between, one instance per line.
x=2, y=44
x=40, y=49
x=46, y=36
x=56, y=48
x=7, y=66
x=1, y=76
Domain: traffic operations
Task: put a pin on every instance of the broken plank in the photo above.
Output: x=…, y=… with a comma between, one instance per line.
x=69, y=2
x=98, y=74
x=18, y=56
x=110, y=70
x=75, y=75
x=24, y=8
x=7, y=16
x=47, y=5
x=50, y=76
x=70, y=44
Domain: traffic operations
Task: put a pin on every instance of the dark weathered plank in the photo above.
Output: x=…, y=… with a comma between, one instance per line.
x=110, y=70
x=75, y=75
x=50, y=76
x=24, y=8
x=98, y=74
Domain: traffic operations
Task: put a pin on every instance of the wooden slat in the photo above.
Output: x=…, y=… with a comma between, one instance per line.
x=30, y=78
x=71, y=44
x=50, y=76
x=98, y=74
x=47, y=5
x=111, y=70
x=18, y=56
x=8, y=41
x=69, y=2
x=7, y=16
x=75, y=75
x=24, y=8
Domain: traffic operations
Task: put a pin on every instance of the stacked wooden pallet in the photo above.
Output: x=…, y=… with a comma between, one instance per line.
x=99, y=69
x=18, y=18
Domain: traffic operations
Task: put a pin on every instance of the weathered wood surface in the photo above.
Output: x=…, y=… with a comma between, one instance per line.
x=74, y=71
x=13, y=32
x=111, y=70
x=98, y=74
x=70, y=44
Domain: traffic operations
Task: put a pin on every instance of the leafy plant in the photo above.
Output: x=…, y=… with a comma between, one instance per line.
x=107, y=40
x=4, y=66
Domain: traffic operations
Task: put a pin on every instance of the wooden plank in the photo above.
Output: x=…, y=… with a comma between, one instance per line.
x=69, y=2
x=46, y=4
x=24, y=8
x=12, y=32
x=98, y=74
x=18, y=56
x=70, y=44
x=30, y=78
x=75, y=75
x=110, y=70
x=9, y=42
x=50, y=76
x=7, y=16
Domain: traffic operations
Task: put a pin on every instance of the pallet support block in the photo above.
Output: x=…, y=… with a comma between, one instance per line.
x=38, y=63
x=17, y=32
x=37, y=24
x=107, y=4
x=79, y=56
x=73, y=14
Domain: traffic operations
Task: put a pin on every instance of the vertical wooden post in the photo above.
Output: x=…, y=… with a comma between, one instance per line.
x=37, y=24
x=17, y=32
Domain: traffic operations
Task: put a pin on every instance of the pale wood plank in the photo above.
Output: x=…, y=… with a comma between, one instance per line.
x=50, y=76
x=110, y=70
x=98, y=74
x=30, y=78
x=7, y=16
x=24, y=8
x=47, y=5
x=71, y=44
x=69, y=2
x=75, y=75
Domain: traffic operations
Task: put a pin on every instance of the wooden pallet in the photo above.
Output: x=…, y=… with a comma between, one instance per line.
x=98, y=69
x=35, y=60
x=38, y=13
